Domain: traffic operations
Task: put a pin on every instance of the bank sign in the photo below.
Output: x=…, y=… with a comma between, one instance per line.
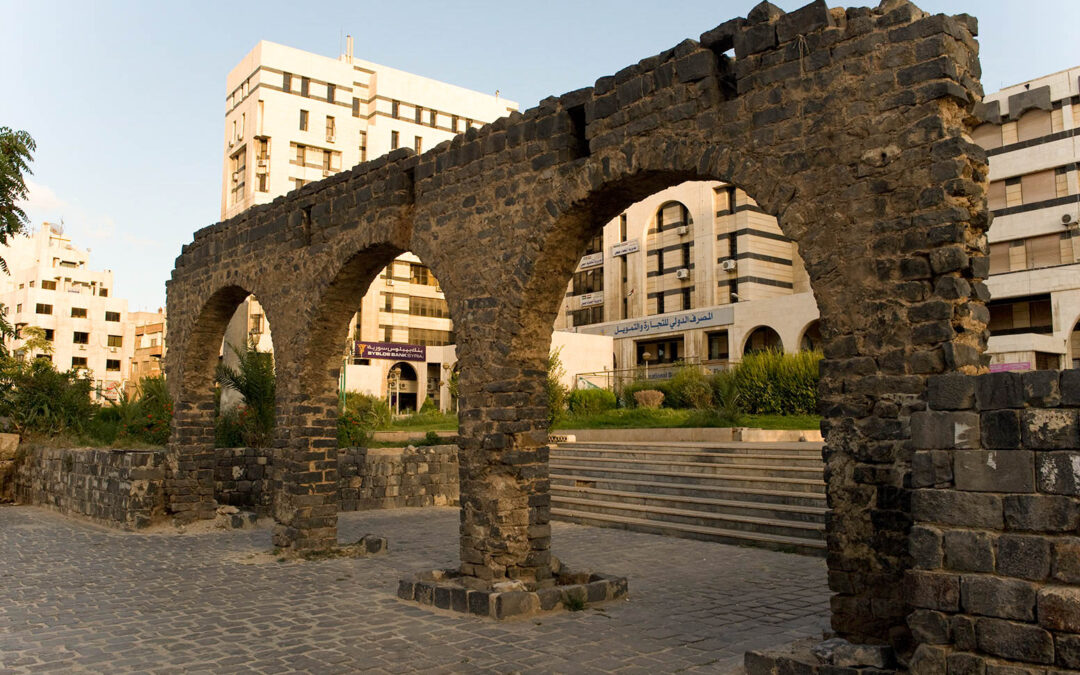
x=390, y=350
x=658, y=325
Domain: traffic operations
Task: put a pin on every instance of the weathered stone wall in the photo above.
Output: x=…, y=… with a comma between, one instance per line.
x=118, y=488
x=852, y=127
x=996, y=540
x=376, y=478
x=386, y=478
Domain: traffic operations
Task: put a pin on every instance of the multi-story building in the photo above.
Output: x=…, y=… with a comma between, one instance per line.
x=699, y=273
x=149, y=345
x=293, y=117
x=52, y=287
x=1032, y=138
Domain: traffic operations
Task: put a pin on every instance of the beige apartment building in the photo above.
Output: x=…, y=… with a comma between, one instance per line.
x=149, y=344
x=698, y=273
x=293, y=117
x=52, y=287
x=1032, y=138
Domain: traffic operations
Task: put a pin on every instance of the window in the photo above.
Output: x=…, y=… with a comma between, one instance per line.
x=50, y=334
x=418, y=145
x=331, y=129
x=112, y=364
x=18, y=308
x=686, y=255
x=659, y=351
x=303, y=120
x=78, y=313
x=301, y=155
x=395, y=109
x=112, y=316
x=116, y=340
x=47, y=285
x=256, y=324
x=103, y=292
x=454, y=123
x=363, y=146
x=298, y=183
x=43, y=309
x=660, y=303
x=434, y=117
x=433, y=307
x=238, y=164
x=393, y=140
x=330, y=93
x=419, y=274
x=262, y=148
x=588, y=281
x=686, y=298
x=718, y=346
x=78, y=362
x=31, y=284
x=430, y=338
x=1021, y=315
x=305, y=84
x=388, y=333
x=286, y=82
x=622, y=227
x=81, y=338
x=355, y=107
x=419, y=114
x=587, y=316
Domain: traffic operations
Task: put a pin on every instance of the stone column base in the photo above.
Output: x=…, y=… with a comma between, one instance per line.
x=444, y=589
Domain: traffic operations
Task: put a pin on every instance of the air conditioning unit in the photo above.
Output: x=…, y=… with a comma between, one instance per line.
x=112, y=350
x=683, y=230
x=389, y=281
x=82, y=348
x=683, y=273
x=1069, y=222
x=729, y=265
x=262, y=163
x=330, y=138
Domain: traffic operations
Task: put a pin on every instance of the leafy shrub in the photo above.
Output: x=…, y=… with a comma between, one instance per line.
x=591, y=401
x=430, y=438
x=254, y=379
x=39, y=399
x=429, y=406
x=649, y=398
x=688, y=388
x=627, y=395
x=727, y=402
x=556, y=392
x=230, y=427
x=771, y=382
x=358, y=420
x=353, y=430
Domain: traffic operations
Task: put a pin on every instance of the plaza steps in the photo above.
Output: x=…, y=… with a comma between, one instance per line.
x=756, y=494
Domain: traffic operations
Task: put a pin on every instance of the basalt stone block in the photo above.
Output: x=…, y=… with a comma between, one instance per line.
x=965, y=664
x=814, y=16
x=1023, y=556
x=928, y=660
x=968, y=551
x=1017, y=641
x=952, y=507
x=1050, y=429
x=1059, y=608
x=931, y=468
x=934, y=590
x=925, y=545
x=515, y=603
x=963, y=632
x=1059, y=472
x=994, y=471
x=1066, y=560
x=994, y=391
x=930, y=627
x=480, y=603
x=1070, y=387
x=933, y=430
x=1042, y=388
x=406, y=590
x=1000, y=429
x=951, y=391
x=1041, y=513
x=1067, y=649
x=998, y=597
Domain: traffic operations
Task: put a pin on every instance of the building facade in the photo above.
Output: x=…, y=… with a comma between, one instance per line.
x=52, y=287
x=293, y=117
x=1032, y=138
x=149, y=345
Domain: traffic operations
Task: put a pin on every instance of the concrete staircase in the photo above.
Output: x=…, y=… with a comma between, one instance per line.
x=755, y=494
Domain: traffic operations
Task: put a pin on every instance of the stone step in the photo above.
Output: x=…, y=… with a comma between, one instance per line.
x=658, y=488
x=738, y=507
x=717, y=534
x=664, y=465
x=720, y=477
x=706, y=456
x=733, y=447
x=727, y=521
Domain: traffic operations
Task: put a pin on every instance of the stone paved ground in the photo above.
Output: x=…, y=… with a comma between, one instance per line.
x=75, y=597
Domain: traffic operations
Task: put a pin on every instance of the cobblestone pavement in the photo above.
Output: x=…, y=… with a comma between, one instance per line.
x=77, y=598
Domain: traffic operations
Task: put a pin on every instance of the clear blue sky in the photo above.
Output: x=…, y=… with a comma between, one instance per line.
x=126, y=99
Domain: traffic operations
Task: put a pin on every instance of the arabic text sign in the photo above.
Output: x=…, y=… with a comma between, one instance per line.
x=590, y=299
x=658, y=325
x=1007, y=367
x=591, y=260
x=390, y=350
x=625, y=247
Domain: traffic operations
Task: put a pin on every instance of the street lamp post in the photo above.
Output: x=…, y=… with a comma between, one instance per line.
x=646, y=357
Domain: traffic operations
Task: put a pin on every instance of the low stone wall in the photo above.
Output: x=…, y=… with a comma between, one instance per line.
x=243, y=477
x=996, y=510
x=368, y=478
x=118, y=488
x=386, y=478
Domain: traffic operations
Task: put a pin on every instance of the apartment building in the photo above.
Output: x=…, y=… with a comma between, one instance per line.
x=149, y=344
x=698, y=273
x=1032, y=138
x=293, y=117
x=52, y=287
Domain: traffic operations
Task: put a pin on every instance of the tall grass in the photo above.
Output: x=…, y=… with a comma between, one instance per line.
x=771, y=382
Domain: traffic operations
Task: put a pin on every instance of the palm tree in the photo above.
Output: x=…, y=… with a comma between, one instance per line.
x=253, y=378
x=15, y=149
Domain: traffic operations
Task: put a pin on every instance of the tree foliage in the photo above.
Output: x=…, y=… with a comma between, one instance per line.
x=15, y=157
x=253, y=378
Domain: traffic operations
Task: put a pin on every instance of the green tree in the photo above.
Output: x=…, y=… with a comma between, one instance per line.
x=35, y=342
x=253, y=378
x=15, y=157
x=556, y=392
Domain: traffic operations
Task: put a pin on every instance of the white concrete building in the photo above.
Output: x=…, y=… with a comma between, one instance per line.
x=51, y=286
x=1033, y=144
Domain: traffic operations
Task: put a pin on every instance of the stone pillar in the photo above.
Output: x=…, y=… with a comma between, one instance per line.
x=306, y=505
x=503, y=468
x=190, y=485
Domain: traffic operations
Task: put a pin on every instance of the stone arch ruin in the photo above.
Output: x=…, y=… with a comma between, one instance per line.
x=852, y=127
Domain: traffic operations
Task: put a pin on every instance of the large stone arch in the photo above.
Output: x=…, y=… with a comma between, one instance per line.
x=850, y=126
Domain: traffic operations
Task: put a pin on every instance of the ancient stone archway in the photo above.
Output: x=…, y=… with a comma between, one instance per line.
x=850, y=126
